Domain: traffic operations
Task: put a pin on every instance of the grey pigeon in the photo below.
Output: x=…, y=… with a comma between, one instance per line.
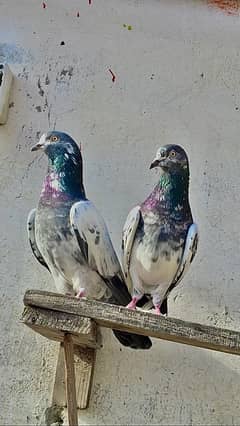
x=159, y=236
x=69, y=237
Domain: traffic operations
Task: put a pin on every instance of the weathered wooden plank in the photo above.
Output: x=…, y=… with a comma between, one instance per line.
x=149, y=324
x=70, y=381
x=58, y=393
x=54, y=324
x=84, y=360
x=84, y=367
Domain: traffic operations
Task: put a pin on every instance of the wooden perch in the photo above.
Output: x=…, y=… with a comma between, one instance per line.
x=139, y=322
x=74, y=322
x=54, y=325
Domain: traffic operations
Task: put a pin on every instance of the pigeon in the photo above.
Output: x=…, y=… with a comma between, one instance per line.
x=159, y=237
x=69, y=237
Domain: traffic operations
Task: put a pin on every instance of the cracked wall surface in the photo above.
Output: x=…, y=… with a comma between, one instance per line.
x=176, y=67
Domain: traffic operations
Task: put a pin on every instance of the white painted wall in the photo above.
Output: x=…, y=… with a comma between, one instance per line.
x=159, y=97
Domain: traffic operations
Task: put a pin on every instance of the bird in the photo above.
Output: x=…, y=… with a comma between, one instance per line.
x=160, y=239
x=69, y=237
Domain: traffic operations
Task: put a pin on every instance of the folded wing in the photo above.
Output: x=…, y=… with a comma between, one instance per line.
x=128, y=236
x=32, y=239
x=96, y=246
x=189, y=252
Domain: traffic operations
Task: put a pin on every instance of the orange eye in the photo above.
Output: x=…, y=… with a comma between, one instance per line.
x=54, y=138
x=173, y=154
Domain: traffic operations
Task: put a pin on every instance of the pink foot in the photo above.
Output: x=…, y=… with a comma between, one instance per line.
x=133, y=303
x=81, y=293
x=157, y=310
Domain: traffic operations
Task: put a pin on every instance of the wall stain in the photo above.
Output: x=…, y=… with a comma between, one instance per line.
x=54, y=415
x=47, y=81
x=41, y=91
x=230, y=7
x=65, y=74
x=23, y=74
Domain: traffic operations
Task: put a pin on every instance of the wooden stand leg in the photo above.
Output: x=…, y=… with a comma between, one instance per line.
x=84, y=366
x=59, y=392
x=84, y=361
x=70, y=380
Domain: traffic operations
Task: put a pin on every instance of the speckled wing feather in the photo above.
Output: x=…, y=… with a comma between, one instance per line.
x=95, y=243
x=189, y=252
x=128, y=236
x=32, y=239
x=96, y=246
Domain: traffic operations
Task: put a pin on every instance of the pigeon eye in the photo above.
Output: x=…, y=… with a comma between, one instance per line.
x=54, y=138
x=172, y=154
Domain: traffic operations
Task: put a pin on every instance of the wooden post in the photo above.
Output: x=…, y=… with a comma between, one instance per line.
x=56, y=325
x=84, y=365
x=59, y=387
x=84, y=360
x=70, y=381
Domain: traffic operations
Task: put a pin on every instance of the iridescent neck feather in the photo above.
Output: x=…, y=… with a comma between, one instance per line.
x=170, y=195
x=63, y=181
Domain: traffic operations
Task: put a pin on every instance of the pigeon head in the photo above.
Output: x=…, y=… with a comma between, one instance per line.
x=56, y=144
x=170, y=157
x=64, y=173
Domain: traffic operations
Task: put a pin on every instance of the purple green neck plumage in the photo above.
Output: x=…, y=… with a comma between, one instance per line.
x=63, y=181
x=170, y=194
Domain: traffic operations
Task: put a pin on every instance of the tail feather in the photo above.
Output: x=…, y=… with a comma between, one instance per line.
x=164, y=307
x=133, y=341
x=121, y=296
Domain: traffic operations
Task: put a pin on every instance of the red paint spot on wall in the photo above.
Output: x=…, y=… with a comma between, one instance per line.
x=112, y=74
x=231, y=7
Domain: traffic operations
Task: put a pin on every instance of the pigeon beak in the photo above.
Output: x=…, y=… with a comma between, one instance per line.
x=36, y=147
x=154, y=164
x=40, y=144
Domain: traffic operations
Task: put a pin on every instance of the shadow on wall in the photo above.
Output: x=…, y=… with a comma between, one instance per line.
x=14, y=54
x=187, y=386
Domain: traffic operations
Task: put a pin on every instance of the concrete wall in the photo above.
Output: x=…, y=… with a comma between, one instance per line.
x=177, y=80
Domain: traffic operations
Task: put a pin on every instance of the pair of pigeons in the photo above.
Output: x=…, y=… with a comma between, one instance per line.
x=69, y=237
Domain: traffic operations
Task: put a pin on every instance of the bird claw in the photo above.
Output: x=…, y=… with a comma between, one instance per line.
x=157, y=310
x=131, y=305
x=80, y=294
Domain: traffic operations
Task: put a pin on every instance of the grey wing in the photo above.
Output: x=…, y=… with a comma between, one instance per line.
x=32, y=239
x=189, y=252
x=128, y=237
x=96, y=246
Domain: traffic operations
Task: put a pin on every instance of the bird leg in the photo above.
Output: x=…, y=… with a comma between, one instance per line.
x=133, y=303
x=81, y=293
x=157, y=309
x=157, y=302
